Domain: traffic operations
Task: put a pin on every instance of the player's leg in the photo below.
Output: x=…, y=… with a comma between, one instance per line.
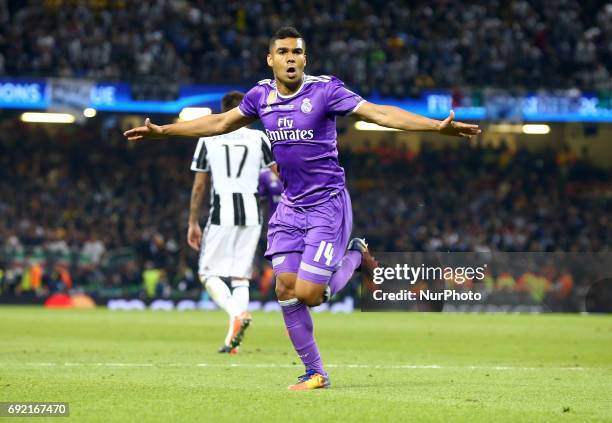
x=240, y=293
x=352, y=258
x=310, y=293
x=324, y=246
x=244, y=252
x=239, y=323
x=286, y=232
x=244, y=244
x=220, y=293
x=215, y=262
x=326, y=260
x=329, y=227
x=298, y=322
x=356, y=256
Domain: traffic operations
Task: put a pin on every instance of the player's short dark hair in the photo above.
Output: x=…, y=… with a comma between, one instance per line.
x=285, y=32
x=231, y=100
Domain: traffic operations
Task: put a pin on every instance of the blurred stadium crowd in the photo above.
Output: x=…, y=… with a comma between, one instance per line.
x=398, y=47
x=81, y=208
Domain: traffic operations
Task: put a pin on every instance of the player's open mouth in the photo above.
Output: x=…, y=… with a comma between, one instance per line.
x=291, y=72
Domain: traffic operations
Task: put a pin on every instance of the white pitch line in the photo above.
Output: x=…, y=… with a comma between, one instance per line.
x=271, y=365
x=39, y=364
x=125, y=364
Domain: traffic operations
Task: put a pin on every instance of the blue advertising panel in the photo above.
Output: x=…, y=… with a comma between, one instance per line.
x=32, y=94
x=23, y=94
x=111, y=97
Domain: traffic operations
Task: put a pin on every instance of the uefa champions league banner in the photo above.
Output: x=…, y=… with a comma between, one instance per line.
x=494, y=282
x=48, y=94
x=69, y=95
x=41, y=94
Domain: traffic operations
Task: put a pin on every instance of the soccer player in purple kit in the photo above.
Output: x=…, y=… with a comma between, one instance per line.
x=308, y=236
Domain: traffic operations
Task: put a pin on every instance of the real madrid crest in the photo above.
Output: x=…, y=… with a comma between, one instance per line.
x=306, y=106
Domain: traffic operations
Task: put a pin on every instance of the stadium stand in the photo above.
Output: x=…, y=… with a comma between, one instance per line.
x=82, y=208
x=395, y=47
x=81, y=205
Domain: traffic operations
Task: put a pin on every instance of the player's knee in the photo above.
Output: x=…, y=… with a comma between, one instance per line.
x=310, y=297
x=240, y=283
x=285, y=285
x=282, y=293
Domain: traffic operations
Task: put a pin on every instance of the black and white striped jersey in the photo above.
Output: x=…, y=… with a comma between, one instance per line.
x=234, y=161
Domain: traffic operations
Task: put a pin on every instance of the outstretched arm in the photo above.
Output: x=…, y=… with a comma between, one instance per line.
x=206, y=126
x=394, y=117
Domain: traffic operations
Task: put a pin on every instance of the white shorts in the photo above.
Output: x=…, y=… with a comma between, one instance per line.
x=228, y=251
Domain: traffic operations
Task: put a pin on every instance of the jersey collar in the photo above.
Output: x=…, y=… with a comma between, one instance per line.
x=285, y=97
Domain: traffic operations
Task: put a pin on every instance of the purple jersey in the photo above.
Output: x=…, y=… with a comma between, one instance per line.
x=302, y=130
x=271, y=187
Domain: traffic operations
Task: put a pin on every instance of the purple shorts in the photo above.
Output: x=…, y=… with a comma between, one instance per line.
x=310, y=241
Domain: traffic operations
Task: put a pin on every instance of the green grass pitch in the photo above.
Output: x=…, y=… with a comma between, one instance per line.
x=163, y=367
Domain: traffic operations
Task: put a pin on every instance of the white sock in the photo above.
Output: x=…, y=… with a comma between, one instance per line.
x=240, y=293
x=221, y=295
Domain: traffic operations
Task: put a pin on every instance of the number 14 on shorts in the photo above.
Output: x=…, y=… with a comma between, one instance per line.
x=326, y=249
